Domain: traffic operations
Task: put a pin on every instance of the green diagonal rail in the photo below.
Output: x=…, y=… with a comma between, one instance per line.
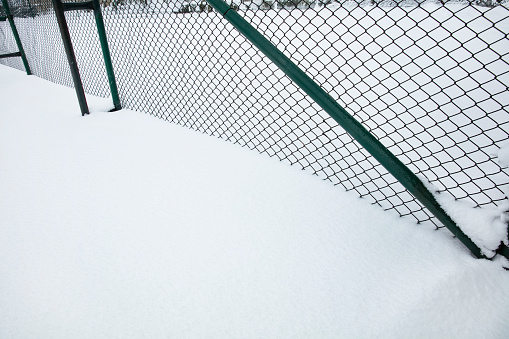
x=406, y=177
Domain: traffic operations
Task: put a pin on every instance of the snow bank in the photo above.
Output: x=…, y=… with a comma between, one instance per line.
x=503, y=155
x=486, y=227
x=120, y=225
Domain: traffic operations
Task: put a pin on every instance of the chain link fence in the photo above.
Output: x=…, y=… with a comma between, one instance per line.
x=428, y=79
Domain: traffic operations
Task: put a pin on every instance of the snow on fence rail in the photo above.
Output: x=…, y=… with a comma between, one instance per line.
x=429, y=80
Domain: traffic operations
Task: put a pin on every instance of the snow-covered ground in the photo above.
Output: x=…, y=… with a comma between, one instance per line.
x=119, y=225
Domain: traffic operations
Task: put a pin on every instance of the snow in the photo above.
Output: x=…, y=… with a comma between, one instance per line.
x=503, y=159
x=487, y=227
x=122, y=225
x=503, y=155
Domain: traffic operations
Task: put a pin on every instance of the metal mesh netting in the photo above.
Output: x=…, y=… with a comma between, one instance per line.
x=5, y=34
x=429, y=80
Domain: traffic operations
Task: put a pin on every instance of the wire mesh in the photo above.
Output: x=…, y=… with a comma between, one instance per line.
x=9, y=45
x=429, y=80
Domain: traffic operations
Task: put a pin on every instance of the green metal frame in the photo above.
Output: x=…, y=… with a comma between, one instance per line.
x=21, y=52
x=406, y=177
x=94, y=5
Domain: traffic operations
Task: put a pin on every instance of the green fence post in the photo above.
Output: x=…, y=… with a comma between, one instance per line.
x=71, y=58
x=106, y=55
x=101, y=31
x=16, y=36
x=406, y=177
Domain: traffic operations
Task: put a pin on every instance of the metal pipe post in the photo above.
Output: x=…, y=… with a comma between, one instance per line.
x=106, y=55
x=16, y=36
x=406, y=177
x=71, y=58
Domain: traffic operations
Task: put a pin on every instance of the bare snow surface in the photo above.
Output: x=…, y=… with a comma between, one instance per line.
x=118, y=225
x=503, y=155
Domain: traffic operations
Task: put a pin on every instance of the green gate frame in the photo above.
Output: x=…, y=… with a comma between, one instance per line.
x=21, y=52
x=94, y=5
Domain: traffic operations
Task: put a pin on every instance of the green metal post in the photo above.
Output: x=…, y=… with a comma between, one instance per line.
x=94, y=5
x=71, y=57
x=406, y=177
x=16, y=36
x=106, y=54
